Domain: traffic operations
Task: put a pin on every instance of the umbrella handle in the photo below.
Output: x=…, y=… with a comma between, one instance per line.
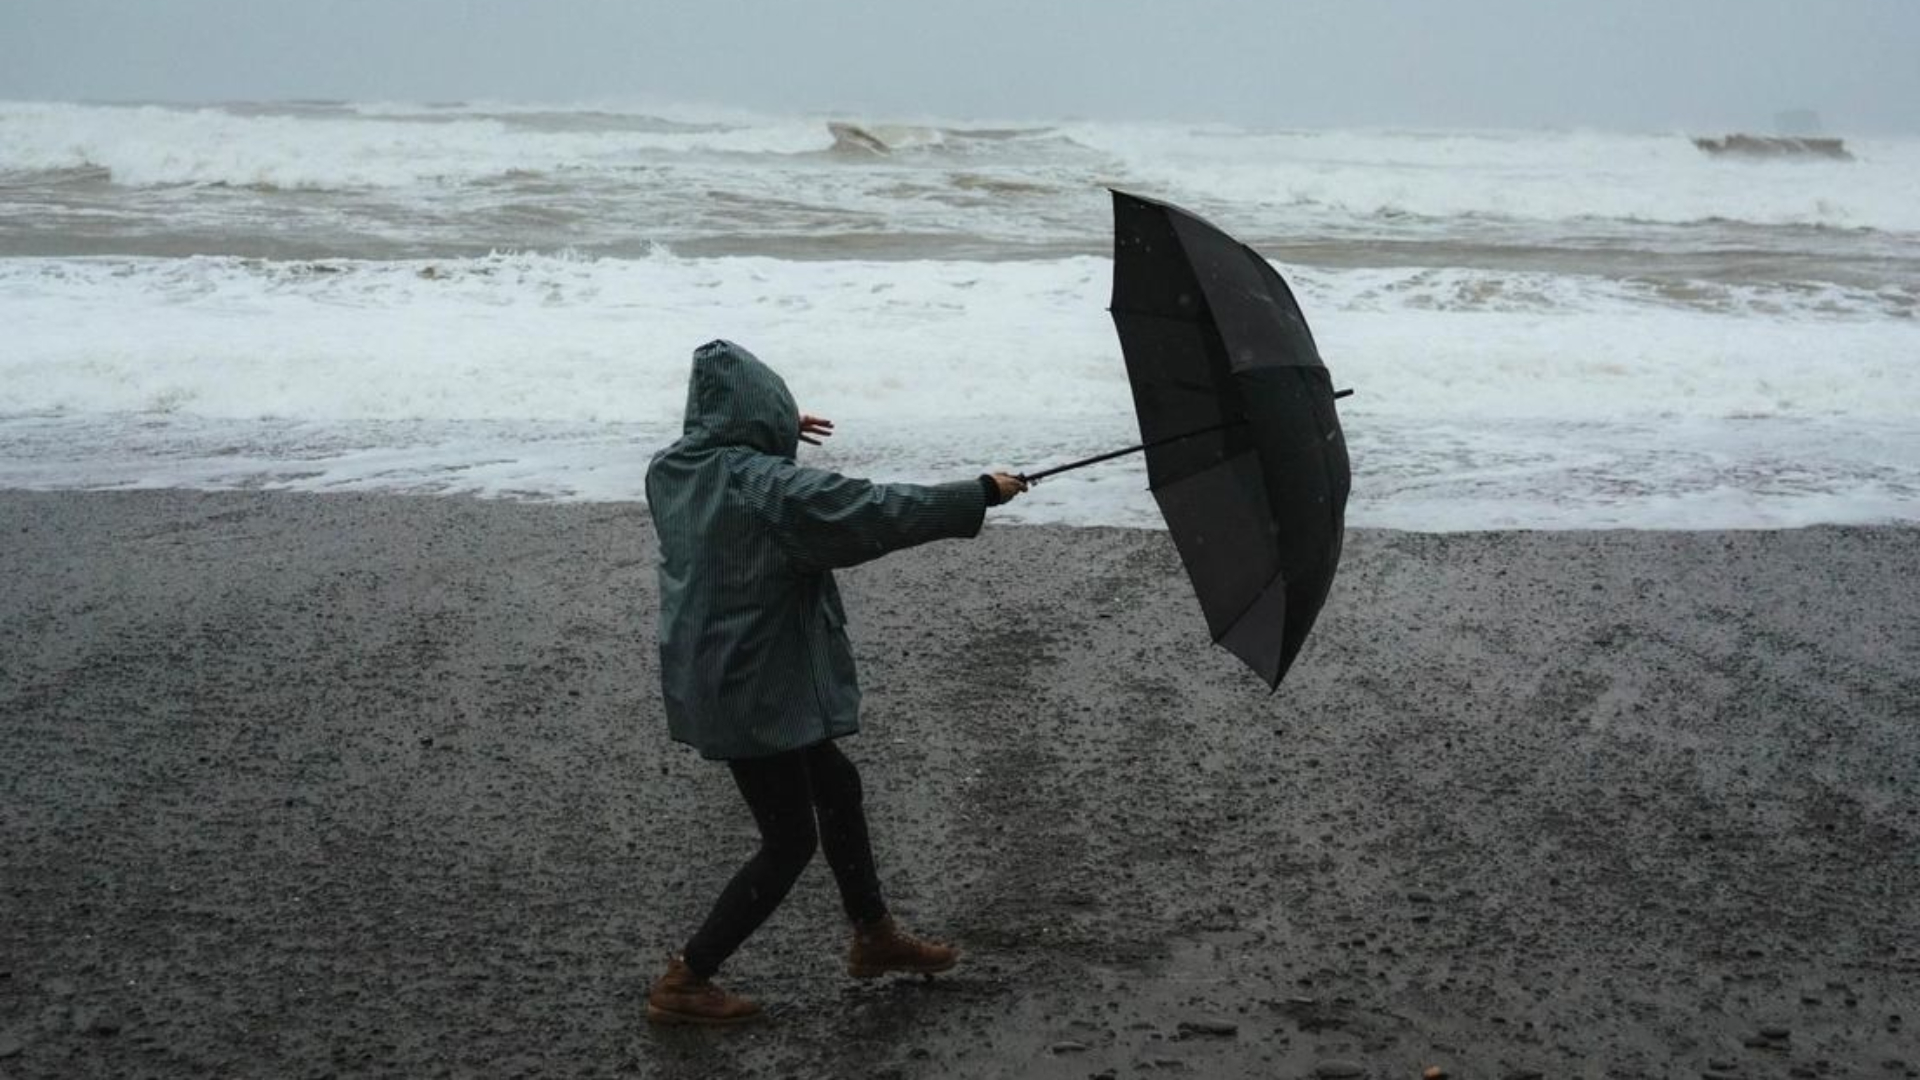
x=1035, y=477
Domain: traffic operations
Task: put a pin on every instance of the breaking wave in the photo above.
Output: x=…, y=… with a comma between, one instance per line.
x=1287, y=179
x=140, y=146
x=1530, y=176
x=584, y=340
x=1560, y=329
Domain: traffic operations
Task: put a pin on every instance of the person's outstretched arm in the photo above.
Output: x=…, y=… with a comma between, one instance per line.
x=823, y=520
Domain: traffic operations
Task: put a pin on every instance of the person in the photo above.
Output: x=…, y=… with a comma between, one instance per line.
x=755, y=666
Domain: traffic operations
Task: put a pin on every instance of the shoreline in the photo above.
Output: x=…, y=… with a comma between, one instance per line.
x=379, y=784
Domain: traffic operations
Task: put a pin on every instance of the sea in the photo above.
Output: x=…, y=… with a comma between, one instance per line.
x=1545, y=329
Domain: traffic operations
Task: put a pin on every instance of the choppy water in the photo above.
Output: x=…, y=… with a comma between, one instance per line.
x=1554, y=329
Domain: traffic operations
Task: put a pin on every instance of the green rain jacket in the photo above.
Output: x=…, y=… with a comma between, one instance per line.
x=754, y=658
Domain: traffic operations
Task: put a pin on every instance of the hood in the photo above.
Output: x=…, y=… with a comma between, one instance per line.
x=735, y=400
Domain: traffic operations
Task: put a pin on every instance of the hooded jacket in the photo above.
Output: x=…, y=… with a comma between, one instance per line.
x=754, y=658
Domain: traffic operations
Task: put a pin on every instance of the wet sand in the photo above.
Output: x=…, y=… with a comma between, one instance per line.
x=310, y=785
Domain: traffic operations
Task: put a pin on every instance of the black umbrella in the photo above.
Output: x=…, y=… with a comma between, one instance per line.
x=1244, y=450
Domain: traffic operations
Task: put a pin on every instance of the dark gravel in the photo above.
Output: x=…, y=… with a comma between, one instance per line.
x=369, y=786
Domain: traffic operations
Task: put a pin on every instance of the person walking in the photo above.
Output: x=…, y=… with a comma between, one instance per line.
x=755, y=665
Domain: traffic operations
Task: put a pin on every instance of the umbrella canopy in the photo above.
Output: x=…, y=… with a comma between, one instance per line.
x=1244, y=451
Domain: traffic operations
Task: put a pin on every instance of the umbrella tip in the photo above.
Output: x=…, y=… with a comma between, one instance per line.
x=1338, y=394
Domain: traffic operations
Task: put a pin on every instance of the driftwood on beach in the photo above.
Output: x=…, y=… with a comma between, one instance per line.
x=1774, y=146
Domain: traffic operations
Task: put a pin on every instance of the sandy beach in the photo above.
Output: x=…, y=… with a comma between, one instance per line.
x=380, y=786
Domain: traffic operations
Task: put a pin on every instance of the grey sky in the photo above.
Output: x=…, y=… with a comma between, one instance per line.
x=1642, y=64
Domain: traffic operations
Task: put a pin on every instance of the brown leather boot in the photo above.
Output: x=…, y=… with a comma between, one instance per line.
x=880, y=947
x=681, y=997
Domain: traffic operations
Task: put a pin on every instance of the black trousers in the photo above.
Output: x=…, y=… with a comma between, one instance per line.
x=788, y=793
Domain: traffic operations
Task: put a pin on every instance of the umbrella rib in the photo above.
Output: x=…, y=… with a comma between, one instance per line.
x=1151, y=487
x=1271, y=578
x=1258, y=593
x=1142, y=313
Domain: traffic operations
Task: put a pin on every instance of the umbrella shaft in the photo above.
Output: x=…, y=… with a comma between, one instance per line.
x=1034, y=477
x=1096, y=459
x=1112, y=454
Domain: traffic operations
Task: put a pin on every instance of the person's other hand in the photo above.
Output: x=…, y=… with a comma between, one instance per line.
x=1009, y=485
x=814, y=425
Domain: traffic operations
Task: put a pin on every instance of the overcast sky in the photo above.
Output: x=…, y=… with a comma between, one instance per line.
x=1637, y=64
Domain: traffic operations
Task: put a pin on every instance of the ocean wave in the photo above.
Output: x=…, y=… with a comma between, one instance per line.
x=336, y=146
x=1566, y=177
x=1272, y=185
x=151, y=145
x=1423, y=473
x=1485, y=396
x=587, y=340
x=861, y=140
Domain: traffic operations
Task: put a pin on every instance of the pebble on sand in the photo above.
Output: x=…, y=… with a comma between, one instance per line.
x=1334, y=1068
x=1221, y=1029
x=91, y=1021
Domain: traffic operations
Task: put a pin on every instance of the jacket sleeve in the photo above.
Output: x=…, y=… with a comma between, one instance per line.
x=822, y=520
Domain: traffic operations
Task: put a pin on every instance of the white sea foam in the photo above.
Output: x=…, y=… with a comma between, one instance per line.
x=156, y=145
x=1276, y=182
x=1438, y=475
x=1484, y=398
x=1541, y=176
x=543, y=338
x=586, y=340
x=1548, y=329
